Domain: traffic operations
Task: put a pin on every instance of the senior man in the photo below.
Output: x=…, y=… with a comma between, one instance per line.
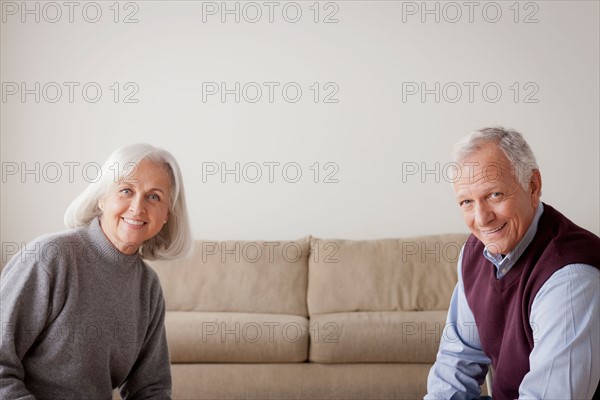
x=527, y=299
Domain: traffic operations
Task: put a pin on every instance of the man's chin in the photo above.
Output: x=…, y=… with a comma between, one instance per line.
x=495, y=248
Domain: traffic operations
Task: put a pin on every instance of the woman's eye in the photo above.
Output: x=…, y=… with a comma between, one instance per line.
x=154, y=197
x=496, y=194
x=125, y=191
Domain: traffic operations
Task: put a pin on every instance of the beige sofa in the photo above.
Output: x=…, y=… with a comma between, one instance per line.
x=312, y=318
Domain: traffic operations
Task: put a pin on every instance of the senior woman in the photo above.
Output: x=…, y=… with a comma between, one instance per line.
x=82, y=313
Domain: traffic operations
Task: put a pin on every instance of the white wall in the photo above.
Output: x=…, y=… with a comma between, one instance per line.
x=373, y=52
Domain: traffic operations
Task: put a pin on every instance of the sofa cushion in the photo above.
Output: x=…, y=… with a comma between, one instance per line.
x=238, y=276
x=387, y=336
x=236, y=337
x=299, y=381
x=409, y=274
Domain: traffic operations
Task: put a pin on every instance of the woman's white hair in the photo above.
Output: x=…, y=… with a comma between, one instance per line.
x=512, y=144
x=174, y=239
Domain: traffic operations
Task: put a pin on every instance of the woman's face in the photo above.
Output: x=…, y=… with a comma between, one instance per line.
x=137, y=208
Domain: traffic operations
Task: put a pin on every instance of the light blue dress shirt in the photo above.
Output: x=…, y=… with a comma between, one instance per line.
x=565, y=320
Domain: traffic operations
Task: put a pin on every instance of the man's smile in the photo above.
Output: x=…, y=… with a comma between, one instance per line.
x=492, y=231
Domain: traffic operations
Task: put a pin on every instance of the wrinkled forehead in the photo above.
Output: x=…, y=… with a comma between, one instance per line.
x=144, y=172
x=474, y=172
x=144, y=167
x=487, y=164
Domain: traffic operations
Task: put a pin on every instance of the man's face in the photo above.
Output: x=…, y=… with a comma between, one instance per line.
x=495, y=207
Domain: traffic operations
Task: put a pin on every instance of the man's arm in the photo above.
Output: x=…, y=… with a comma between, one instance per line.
x=461, y=364
x=565, y=319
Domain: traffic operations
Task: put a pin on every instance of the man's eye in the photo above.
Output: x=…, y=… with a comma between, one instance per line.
x=126, y=191
x=496, y=194
x=465, y=203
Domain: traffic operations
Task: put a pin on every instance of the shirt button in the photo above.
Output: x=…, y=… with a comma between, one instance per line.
x=503, y=270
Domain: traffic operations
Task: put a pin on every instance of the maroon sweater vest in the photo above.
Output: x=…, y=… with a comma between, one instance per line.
x=502, y=307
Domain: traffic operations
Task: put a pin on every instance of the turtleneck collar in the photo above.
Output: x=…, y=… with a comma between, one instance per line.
x=105, y=249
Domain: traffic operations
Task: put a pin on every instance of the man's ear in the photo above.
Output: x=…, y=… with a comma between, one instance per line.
x=535, y=187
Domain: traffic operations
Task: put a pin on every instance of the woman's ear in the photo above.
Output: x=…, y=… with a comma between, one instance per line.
x=101, y=204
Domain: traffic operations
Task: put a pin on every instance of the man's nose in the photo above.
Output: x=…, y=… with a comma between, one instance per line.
x=483, y=214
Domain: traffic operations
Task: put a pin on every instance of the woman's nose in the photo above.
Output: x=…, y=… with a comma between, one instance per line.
x=137, y=205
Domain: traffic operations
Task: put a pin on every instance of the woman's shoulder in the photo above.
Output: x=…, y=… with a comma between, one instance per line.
x=33, y=261
x=61, y=240
x=47, y=248
x=150, y=277
x=63, y=236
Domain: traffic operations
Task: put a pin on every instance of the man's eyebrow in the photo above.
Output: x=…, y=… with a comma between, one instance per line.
x=461, y=196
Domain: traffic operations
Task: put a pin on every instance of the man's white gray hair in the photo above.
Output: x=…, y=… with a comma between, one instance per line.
x=512, y=144
x=174, y=239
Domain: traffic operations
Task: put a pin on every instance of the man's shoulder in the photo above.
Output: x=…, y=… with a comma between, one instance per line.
x=561, y=225
x=568, y=243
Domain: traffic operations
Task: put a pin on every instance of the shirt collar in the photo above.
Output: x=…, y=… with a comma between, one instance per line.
x=503, y=265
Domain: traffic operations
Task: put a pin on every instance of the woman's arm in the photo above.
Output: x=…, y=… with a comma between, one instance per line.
x=150, y=377
x=25, y=302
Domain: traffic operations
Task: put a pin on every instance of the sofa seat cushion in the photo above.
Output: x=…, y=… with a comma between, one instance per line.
x=236, y=337
x=376, y=336
x=409, y=274
x=294, y=381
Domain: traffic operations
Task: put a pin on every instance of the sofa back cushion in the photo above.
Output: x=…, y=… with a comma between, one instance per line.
x=410, y=274
x=238, y=276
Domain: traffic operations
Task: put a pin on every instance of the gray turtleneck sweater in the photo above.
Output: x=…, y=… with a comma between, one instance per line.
x=79, y=318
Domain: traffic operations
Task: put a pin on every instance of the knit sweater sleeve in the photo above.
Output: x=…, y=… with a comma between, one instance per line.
x=27, y=301
x=150, y=377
